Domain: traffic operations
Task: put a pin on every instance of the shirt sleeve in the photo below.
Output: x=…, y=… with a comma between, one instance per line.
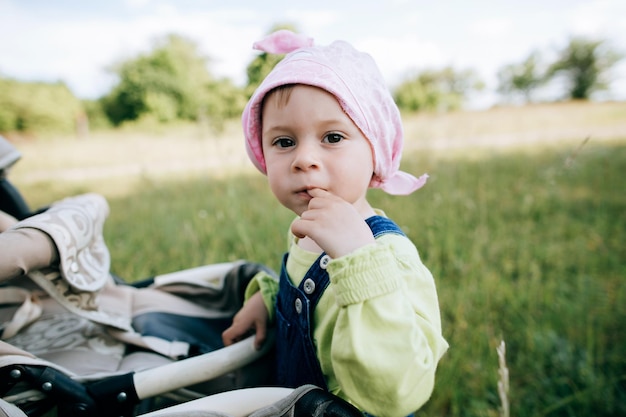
x=268, y=285
x=387, y=338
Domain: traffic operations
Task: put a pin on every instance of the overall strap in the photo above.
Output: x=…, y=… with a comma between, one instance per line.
x=317, y=278
x=381, y=225
x=296, y=359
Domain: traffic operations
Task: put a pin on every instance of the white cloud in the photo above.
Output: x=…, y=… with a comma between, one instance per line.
x=76, y=46
x=400, y=56
x=78, y=52
x=495, y=26
x=599, y=18
x=311, y=21
x=137, y=4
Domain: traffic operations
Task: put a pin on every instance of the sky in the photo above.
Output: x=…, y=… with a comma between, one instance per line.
x=77, y=41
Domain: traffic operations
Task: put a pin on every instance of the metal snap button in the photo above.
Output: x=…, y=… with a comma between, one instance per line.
x=309, y=286
x=324, y=261
x=298, y=305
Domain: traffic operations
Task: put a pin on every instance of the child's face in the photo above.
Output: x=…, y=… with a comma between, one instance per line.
x=309, y=142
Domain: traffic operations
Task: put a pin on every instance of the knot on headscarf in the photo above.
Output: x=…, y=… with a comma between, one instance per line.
x=282, y=41
x=357, y=84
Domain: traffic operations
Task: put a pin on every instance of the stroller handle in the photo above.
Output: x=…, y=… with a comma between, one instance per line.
x=166, y=378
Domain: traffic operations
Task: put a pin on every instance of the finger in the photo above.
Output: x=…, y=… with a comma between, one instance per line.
x=319, y=192
x=259, y=339
x=322, y=199
x=227, y=338
x=232, y=334
x=296, y=229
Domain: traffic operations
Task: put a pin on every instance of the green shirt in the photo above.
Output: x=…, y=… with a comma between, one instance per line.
x=377, y=328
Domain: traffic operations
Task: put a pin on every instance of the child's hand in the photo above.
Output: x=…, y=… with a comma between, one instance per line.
x=252, y=317
x=333, y=223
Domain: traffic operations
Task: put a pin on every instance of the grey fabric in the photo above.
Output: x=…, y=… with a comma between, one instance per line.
x=84, y=314
x=284, y=407
x=9, y=410
x=195, y=414
x=71, y=341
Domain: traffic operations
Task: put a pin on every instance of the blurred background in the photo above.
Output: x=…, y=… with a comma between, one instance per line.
x=108, y=63
x=517, y=110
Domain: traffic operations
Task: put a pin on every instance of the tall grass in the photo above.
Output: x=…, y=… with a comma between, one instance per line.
x=529, y=249
x=526, y=247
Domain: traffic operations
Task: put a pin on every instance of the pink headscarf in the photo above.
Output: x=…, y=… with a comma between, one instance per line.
x=354, y=79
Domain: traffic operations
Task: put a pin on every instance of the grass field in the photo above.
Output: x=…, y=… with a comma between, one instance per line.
x=523, y=225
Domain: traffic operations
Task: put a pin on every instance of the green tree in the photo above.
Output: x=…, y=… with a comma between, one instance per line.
x=96, y=115
x=224, y=101
x=168, y=83
x=444, y=89
x=523, y=78
x=37, y=107
x=585, y=64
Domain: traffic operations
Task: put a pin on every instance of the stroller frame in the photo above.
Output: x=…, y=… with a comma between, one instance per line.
x=118, y=395
x=31, y=386
x=44, y=384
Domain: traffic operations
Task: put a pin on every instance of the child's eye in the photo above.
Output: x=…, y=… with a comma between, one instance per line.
x=284, y=142
x=333, y=138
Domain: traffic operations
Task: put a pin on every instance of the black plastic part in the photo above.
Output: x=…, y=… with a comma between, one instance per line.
x=12, y=202
x=111, y=397
x=115, y=395
x=319, y=402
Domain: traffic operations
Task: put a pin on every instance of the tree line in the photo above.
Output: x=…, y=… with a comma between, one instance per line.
x=172, y=82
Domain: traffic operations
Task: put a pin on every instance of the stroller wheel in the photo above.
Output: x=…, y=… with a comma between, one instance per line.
x=319, y=402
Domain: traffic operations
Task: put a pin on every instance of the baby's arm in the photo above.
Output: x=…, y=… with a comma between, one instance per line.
x=387, y=338
x=253, y=316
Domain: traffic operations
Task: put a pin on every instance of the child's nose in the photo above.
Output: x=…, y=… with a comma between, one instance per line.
x=305, y=157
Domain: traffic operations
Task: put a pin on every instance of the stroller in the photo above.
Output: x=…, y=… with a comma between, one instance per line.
x=76, y=340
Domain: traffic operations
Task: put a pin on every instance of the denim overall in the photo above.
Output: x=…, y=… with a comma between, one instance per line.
x=297, y=362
